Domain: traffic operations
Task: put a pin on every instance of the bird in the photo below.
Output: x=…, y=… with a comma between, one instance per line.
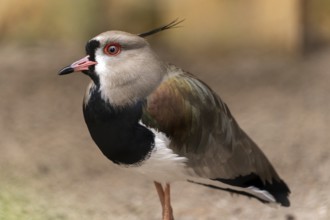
x=152, y=117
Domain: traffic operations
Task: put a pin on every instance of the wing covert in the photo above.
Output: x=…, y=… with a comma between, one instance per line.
x=202, y=129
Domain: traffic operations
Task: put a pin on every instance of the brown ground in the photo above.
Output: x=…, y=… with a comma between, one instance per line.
x=50, y=168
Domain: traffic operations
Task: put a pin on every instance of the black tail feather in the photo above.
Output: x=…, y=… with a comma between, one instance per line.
x=277, y=188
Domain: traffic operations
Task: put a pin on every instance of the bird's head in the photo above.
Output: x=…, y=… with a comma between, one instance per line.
x=122, y=65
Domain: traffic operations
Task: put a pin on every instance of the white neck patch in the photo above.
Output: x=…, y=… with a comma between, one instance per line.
x=129, y=76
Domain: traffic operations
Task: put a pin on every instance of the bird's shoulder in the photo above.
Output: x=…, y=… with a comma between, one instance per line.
x=202, y=129
x=187, y=110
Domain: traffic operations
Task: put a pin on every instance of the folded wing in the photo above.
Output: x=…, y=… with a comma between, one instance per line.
x=202, y=129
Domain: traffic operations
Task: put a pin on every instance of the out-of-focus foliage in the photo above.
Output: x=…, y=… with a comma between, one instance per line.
x=277, y=25
x=31, y=21
x=316, y=22
x=38, y=20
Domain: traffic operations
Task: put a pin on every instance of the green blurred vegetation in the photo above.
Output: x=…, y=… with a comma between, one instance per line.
x=283, y=25
x=15, y=203
x=37, y=20
x=32, y=21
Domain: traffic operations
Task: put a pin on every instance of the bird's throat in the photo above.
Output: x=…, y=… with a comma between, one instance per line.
x=116, y=131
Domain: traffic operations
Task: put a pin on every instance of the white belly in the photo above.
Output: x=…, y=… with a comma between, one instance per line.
x=163, y=165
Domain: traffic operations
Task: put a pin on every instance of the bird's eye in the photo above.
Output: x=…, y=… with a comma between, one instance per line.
x=112, y=49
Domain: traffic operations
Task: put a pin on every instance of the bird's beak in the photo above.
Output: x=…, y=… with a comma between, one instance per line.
x=77, y=66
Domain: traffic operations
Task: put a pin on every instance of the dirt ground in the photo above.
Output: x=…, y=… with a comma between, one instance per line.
x=51, y=169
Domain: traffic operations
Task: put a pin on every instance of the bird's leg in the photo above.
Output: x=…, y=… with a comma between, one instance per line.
x=168, y=212
x=160, y=192
x=165, y=200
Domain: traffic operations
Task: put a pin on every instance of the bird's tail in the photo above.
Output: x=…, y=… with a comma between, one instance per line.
x=251, y=185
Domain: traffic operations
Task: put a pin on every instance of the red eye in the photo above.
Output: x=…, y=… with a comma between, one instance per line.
x=112, y=49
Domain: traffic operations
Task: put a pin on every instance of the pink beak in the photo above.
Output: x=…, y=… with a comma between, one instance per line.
x=78, y=66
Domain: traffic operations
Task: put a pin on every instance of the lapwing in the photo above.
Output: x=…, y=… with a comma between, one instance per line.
x=165, y=123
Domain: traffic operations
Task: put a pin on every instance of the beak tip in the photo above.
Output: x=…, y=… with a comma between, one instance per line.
x=66, y=70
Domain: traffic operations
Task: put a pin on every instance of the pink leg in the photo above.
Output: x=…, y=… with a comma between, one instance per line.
x=165, y=200
x=160, y=192
x=168, y=212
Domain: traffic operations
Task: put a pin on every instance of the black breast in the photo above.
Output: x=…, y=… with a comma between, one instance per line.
x=116, y=131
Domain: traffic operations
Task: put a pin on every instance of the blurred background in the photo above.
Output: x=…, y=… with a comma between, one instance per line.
x=268, y=60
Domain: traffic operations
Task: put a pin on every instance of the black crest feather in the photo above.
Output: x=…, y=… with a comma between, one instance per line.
x=173, y=24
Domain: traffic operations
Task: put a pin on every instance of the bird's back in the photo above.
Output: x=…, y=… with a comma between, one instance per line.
x=202, y=129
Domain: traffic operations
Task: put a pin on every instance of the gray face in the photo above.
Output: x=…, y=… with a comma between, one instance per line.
x=127, y=69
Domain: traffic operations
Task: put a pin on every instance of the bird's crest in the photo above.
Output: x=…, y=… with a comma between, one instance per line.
x=173, y=24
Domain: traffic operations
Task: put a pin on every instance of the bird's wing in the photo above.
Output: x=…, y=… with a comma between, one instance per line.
x=202, y=129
